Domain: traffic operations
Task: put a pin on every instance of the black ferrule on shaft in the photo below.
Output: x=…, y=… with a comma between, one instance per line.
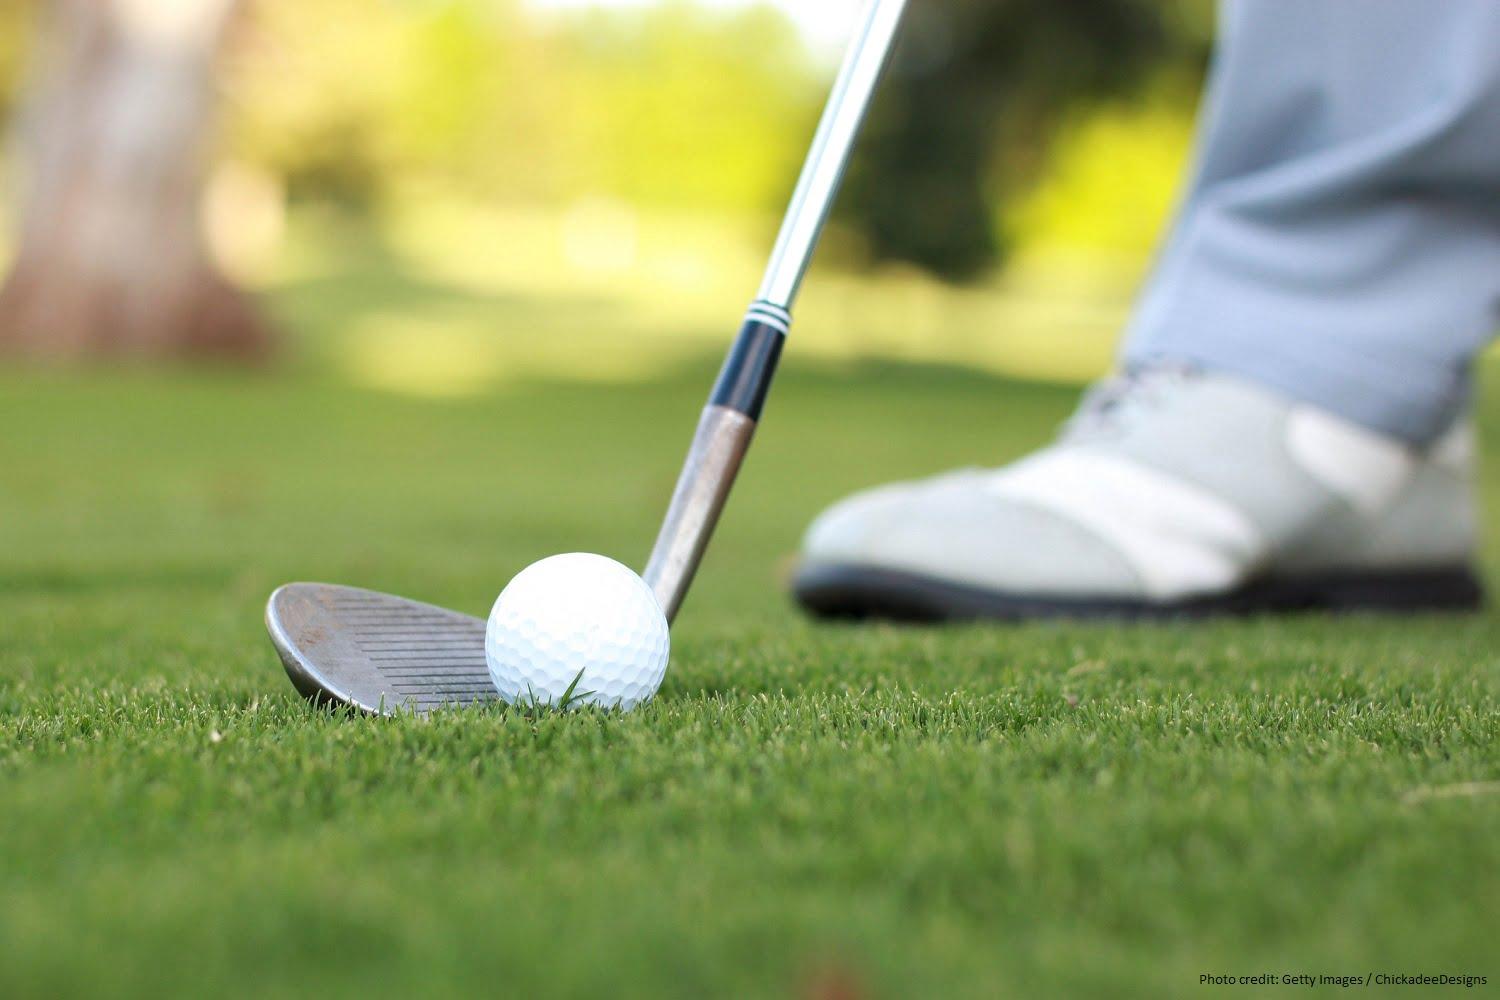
x=746, y=379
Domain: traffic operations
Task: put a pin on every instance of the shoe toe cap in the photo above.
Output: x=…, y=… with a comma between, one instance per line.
x=954, y=530
x=852, y=528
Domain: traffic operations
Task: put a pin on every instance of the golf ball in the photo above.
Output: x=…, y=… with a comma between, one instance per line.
x=580, y=618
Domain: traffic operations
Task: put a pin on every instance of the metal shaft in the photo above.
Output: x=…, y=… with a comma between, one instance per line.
x=823, y=174
x=728, y=423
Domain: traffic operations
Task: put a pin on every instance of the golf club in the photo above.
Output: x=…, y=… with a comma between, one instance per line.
x=385, y=654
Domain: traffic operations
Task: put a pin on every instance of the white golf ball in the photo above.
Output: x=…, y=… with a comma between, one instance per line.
x=579, y=618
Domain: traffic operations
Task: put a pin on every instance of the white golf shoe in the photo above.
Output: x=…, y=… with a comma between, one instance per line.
x=1172, y=492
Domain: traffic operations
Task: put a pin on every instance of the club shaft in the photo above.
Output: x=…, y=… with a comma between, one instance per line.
x=823, y=174
x=728, y=423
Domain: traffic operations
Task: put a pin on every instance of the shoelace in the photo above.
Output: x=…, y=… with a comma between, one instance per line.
x=1107, y=405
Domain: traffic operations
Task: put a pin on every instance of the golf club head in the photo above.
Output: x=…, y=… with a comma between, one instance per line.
x=377, y=653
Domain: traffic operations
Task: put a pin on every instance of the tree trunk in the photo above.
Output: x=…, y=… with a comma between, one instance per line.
x=112, y=261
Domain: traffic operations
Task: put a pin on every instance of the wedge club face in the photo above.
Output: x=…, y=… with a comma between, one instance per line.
x=377, y=653
x=384, y=654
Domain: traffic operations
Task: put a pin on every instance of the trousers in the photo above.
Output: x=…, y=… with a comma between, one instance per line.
x=1339, y=238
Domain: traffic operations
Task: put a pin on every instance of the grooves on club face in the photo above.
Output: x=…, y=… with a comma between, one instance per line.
x=375, y=652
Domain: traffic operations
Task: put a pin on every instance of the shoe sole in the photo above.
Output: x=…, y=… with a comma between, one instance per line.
x=860, y=592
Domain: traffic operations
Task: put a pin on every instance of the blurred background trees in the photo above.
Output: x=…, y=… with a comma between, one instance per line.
x=973, y=104
x=112, y=145
x=384, y=112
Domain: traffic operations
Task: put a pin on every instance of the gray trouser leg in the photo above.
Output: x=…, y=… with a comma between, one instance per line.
x=1340, y=238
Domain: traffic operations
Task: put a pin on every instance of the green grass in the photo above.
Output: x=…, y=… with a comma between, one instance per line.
x=805, y=810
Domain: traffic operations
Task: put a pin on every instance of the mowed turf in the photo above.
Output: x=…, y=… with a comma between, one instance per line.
x=806, y=810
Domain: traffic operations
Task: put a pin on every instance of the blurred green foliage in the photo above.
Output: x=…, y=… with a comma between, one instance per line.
x=676, y=107
x=673, y=105
x=969, y=115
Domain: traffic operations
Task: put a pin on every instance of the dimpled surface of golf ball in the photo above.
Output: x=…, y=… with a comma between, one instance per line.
x=577, y=617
